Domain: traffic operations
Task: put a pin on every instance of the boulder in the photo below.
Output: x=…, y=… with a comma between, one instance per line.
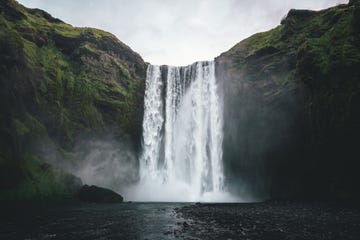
x=98, y=195
x=72, y=182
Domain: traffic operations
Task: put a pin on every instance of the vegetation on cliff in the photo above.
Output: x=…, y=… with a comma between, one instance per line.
x=59, y=83
x=299, y=92
x=291, y=98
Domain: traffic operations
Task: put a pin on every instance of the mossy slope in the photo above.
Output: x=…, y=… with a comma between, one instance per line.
x=292, y=99
x=59, y=82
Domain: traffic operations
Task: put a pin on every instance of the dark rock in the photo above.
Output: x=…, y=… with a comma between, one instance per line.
x=298, y=14
x=98, y=195
x=9, y=12
x=185, y=224
x=72, y=183
x=291, y=125
x=45, y=167
x=45, y=15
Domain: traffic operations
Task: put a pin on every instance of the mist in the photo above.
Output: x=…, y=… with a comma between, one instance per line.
x=109, y=160
x=106, y=163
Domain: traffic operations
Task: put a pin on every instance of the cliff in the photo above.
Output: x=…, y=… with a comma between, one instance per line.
x=291, y=101
x=60, y=84
x=291, y=98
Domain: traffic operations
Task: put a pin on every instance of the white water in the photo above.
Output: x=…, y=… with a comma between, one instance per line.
x=182, y=136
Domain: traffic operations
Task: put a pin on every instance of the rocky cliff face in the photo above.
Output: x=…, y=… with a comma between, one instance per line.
x=59, y=84
x=291, y=98
x=291, y=103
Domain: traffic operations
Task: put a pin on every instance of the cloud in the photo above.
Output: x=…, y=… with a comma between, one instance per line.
x=177, y=32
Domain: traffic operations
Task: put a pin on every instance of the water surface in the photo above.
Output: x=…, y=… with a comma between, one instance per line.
x=92, y=221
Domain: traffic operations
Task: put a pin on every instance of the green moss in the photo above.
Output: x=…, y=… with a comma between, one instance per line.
x=35, y=126
x=92, y=117
x=89, y=49
x=20, y=128
x=69, y=82
x=129, y=117
x=97, y=33
x=322, y=44
x=10, y=47
x=124, y=71
x=30, y=50
x=59, y=88
x=58, y=73
x=29, y=127
x=40, y=182
x=67, y=30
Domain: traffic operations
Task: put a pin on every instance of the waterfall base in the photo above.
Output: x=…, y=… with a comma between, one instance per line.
x=182, y=136
x=154, y=190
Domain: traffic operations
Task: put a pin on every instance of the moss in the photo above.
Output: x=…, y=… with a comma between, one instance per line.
x=318, y=49
x=89, y=49
x=40, y=182
x=322, y=44
x=10, y=47
x=20, y=128
x=92, y=117
x=129, y=117
x=67, y=30
x=58, y=74
x=30, y=50
x=69, y=82
x=61, y=82
x=125, y=72
x=35, y=126
x=28, y=129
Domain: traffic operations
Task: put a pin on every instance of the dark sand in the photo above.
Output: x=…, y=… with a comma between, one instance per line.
x=269, y=220
x=272, y=220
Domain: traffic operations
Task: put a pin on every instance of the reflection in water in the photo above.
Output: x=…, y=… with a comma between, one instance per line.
x=93, y=221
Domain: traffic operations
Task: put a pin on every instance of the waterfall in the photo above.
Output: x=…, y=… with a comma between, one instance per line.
x=182, y=134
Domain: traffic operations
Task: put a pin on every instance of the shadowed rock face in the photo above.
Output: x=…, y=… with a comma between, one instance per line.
x=98, y=195
x=261, y=122
x=290, y=98
x=60, y=84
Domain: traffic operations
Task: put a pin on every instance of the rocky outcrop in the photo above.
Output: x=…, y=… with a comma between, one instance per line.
x=59, y=84
x=290, y=101
x=98, y=195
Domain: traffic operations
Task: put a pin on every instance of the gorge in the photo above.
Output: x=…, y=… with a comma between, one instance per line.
x=259, y=143
x=274, y=117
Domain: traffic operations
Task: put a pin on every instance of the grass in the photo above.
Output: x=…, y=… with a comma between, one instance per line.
x=61, y=82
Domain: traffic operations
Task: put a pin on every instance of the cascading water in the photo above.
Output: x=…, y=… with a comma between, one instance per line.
x=182, y=135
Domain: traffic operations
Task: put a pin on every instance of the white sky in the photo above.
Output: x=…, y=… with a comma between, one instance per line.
x=177, y=32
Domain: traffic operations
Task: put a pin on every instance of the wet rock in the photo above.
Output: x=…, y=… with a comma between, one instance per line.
x=271, y=221
x=98, y=195
x=72, y=182
x=185, y=224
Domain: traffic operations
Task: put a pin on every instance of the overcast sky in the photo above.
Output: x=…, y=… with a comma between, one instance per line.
x=177, y=32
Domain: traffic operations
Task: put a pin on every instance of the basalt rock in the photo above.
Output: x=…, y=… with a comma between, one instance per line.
x=291, y=98
x=98, y=195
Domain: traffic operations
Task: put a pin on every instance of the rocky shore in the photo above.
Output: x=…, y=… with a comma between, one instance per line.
x=271, y=221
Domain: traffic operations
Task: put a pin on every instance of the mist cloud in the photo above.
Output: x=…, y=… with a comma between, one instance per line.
x=177, y=32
